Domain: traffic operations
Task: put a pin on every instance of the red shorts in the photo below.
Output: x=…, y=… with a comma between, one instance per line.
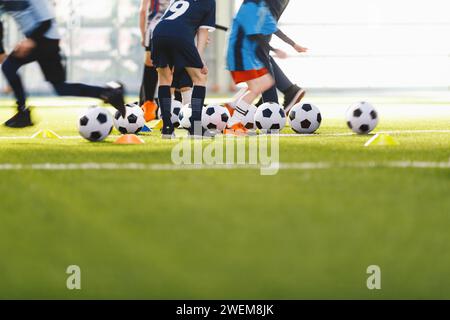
x=244, y=76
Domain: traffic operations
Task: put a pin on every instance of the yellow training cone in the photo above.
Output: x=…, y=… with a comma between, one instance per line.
x=158, y=125
x=129, y=139
x=381, y=140
x=46, y=134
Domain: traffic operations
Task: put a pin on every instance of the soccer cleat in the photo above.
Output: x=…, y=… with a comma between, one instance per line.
x=230, y=109
x=238, y=129
x=204, y=134
x=114, y=95
x=21, y=119
x=292, y=96
x=150, y=109
x=168, y=132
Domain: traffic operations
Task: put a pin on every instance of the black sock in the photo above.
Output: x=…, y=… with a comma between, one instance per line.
x=149, y=83
x=178, y=96
x=10, y=69
x=198, y=99
x=260, y=102
x=165, y=103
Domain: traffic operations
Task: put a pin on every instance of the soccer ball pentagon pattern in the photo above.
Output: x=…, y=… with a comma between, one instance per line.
x=305, y=118
x=215, y=118
x=270, y=117
x=174, y=114
x=133, y=122
x=249, y=119
x=185, y=117
x=95, y=124
x=362, y=118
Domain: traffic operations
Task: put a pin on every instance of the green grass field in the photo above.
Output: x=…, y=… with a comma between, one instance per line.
x=227, y=234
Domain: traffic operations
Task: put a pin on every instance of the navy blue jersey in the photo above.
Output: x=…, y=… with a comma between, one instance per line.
x=183, y=18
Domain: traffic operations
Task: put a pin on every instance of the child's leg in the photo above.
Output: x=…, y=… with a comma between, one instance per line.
x=149, y=80
x=10, y=69
x=185, y=84
x=186, y=95
x=281, y=80
x=271, y=94
x=198, y=94
x=165, y=99
x=255, y=88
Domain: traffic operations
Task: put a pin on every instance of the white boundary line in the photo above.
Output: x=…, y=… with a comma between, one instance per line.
x=93, y=166
x=287, y=135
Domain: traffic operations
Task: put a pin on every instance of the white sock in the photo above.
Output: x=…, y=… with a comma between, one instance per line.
x=186, y=97
x=238, y=96
x=240, y=112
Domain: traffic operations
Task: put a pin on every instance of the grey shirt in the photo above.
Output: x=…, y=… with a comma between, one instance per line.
x=28, y=14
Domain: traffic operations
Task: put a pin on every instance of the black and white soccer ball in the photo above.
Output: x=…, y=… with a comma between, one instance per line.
x=184, y=117
x=95, y=124
x=305, y=118
x=174, y=114
x=249, y=119
x=270, y=117
x=133, y=122
x=215, y=118
x=362, y=118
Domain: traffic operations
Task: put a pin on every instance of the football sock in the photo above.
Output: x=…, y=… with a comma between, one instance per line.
x=165, y=103
x=149, y=84
x=198, y=98
x=10, y=68
x=239, y=95
x=281, y=80
x=178, y=95
x=241, y=111
x=187, y=97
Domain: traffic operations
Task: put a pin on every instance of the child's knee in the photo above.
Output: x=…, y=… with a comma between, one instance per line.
x=199, y=79
x=7, y=68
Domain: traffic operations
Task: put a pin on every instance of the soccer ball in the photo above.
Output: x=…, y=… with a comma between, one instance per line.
x=362, y=118
x=270, y=117
x=95, y=124
x=249, y=119
x=305, y=118
x=215, y=118
x=174, y=114
x=184, y=117
x=133, y=122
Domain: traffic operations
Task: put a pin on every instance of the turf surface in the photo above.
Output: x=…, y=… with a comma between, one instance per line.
x=229, y=234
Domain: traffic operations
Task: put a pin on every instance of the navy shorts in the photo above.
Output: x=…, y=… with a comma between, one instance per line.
x=174, y=52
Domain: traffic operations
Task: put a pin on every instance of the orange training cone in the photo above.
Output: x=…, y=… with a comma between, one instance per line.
x=150, y=108
x=129, y=139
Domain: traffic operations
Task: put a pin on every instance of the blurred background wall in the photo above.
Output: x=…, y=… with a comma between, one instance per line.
x=353, y=44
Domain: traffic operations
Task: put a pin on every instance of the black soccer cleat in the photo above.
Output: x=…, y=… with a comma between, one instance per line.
x=114, y=95
x=168, y=132
x=293, y=96
x=21, y=119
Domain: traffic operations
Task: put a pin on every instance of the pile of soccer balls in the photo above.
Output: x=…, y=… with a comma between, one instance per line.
x=304, y=118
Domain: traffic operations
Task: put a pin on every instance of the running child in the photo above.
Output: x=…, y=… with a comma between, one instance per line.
x=251, y=26
x=36, y=20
